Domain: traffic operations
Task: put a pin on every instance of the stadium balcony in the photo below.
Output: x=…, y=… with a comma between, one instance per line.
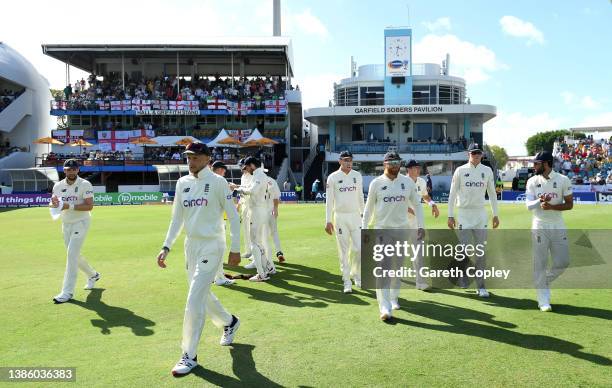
x=412, y=148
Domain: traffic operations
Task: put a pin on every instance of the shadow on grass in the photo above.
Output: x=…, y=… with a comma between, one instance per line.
x=459, y=320
x=114, y=316
x=531, y=304
x=243, y=366
x=294, y=279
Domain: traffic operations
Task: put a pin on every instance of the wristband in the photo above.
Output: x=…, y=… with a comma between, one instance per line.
x=431, y=202
x=165, y=248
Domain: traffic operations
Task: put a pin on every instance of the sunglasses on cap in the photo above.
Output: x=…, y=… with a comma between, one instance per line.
x=394, y=163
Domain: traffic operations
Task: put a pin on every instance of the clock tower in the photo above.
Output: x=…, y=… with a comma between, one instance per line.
x=398, y=66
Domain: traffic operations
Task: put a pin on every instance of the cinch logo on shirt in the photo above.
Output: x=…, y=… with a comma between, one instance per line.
x=394, y=198
x=474, y=184
x=71, y=198
x=552, y=195
x=346, y=189
x=195, y=202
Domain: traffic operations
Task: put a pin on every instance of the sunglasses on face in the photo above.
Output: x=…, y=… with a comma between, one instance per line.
x=394, y=163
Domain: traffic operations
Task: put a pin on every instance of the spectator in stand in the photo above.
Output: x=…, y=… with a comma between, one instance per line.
x=176, y=156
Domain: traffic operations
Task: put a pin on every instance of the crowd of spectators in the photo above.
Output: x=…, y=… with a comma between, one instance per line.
x=84, y=94
x=585, y=161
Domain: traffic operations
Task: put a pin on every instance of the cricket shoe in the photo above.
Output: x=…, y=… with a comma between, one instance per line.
x=258, y=278
x=62, y=298
x=230, y=331
x=357, y=283
x=546, y=308
x=251, y=265
x=224, y=282
x=395, y=305
x=246, y=255
x=482, y=293
x=348, y=287
x=185, y=365
x=91, y=282
x=385, y=315
x=280, y=257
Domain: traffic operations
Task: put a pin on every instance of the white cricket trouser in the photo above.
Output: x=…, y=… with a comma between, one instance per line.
x=273, y=232
x=548, y=239
x=245, y=213
x=472, y=229
x=348, y=238
x=259, y=226
x=74, y=237
x=388, y=289
x=202, y=257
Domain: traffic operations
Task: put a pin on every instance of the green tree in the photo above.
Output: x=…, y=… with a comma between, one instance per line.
x=544, y=141
x=500, y=155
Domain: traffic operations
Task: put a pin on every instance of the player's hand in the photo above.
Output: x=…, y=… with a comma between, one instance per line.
x=54, y=202
x=495, y=222
x=451, y=223
x=546, y=206
x=161, y=258
x=275, y=213
x=545, y=198
x=233, y=186
x=435, y=211
x=329, y=228
x=233, y=258
x=410, y=211
x=420, y=234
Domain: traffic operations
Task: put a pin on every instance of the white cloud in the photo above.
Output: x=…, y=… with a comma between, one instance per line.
x=599, y=120
x=588, y=103
x=568, y=97
x=513, y=26
x=469, y=60
x=309, y=23
x=442, y=23
x=511, y=130
x=317, y=89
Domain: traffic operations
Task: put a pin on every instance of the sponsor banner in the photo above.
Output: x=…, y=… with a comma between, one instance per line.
x=520, y=196
x=128, y=198
x=184, y=112
x=24, y=200
x=440, y=196
x=288, y=196
x=604, y=197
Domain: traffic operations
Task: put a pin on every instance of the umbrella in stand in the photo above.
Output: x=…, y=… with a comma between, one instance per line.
x=81, y=143
x=48, y=141
x=142, y=140
x=230, y=141
x=184, y=141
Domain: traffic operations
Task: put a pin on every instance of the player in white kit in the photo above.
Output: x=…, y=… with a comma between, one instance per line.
x=343, y=211
x=220, y=169
x=467, y=193
x=76, y=196
x=257, y=192
x=245, y=214
x=199, y=202
x=389, y=198
x=548, y=194
x=413, y=169
x=273, y=200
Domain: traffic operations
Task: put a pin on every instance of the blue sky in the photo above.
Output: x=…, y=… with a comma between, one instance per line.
x=544, y=64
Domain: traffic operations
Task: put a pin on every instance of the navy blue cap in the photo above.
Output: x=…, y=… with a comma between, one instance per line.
x=391, y=155
x=412, y=163
x=544, y=156
x=71, y=163
x=346, y=154
x=197, y=148
x=218, y=164
x=252, y=160
x=474, y=147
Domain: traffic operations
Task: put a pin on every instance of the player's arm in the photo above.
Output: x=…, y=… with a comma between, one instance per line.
x=417, y=207
x=360, y=194
x=370, y=205
x=54, y=197
x=493, y=199
x=276, y=194
x=531, y=201
x=434, y=208
x=452, y=198
x=176, y=224
x=225, y=200
x=329, y=205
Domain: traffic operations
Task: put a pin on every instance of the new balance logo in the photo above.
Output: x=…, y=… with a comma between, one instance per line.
x=186, y=190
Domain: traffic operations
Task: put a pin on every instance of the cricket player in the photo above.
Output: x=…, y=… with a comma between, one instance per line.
x=257, y=192
x=467, y=194
x=413, y=169
x=243, y=208
x=220, y=169
x=199, y=201
x=389, y=198
x=273, y=200
x=548, y=194
x=343, y=211
x=76, y=196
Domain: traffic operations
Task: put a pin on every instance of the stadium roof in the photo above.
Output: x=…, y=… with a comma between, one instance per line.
x=272, y=51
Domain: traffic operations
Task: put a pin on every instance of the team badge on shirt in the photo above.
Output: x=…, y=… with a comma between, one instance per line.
x=403, y=187
x=206, y=188
x=483, y=175
x=554, y=185
x=355, y=180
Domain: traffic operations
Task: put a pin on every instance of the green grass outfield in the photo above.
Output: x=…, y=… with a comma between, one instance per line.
x=299, y=329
